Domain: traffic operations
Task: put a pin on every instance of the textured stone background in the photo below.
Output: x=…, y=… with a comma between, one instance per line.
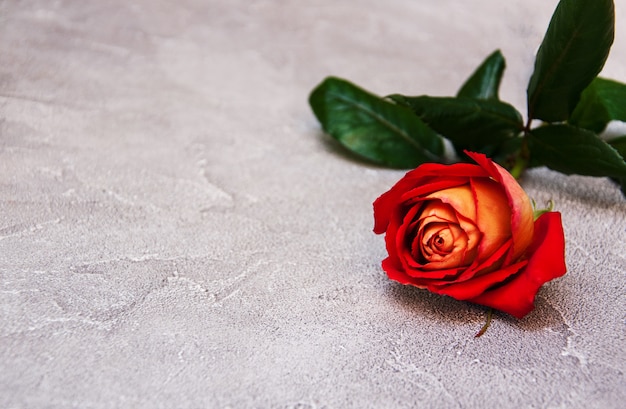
x=175, y=230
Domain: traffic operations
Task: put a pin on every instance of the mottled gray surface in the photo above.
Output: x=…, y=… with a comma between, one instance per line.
x=176, y=231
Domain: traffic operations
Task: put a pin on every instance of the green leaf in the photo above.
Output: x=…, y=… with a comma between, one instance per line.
x=469, y=123
x=601, y=102
x=372, y=127
x=485, y=81
x=573, y=150
x=505, y=152
x=619, y=144
x=572, y=53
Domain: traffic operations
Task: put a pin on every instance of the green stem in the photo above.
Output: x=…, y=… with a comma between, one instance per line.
x=487, y=324
x=519, y=166
x=522, y=159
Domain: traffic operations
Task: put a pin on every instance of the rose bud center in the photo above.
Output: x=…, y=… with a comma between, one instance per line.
x=442, y=238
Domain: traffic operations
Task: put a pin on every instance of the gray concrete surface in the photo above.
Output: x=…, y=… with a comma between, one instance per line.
x=176, y=232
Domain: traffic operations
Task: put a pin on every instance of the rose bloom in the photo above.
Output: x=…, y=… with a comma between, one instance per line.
x=467, y=231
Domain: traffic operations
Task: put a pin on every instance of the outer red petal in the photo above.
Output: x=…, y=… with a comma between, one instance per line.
x=390, y=238
x=471, y=288
x=406, y=189
x=397, y=274
x=429, y=177
x=429, y=185
x=464, y=170
x=547, y=262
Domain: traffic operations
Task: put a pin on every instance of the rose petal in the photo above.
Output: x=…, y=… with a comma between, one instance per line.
x=412, y=185
x=428, y=277
x=436, y=210
x=401, y=248
x=460, y=198
x=463, y=170
x=390, y=237
x=546, y=262
x=519, y=203
x=472, y=288
x=473, y=236
x=436, y=279
x=490, y=264
x=456, y=257
x=493, y=215
x=397, y=274
x=413, y=277
x=428, y=178
x=429, y=185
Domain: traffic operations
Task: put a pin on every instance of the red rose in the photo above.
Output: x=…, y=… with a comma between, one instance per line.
x=467, y=231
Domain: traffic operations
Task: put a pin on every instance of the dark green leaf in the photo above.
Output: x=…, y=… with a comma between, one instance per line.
x=573, y=150
x=601, y=102
x=469, y=123
x=619, y=144
x=505, y=152
x=372, y=127
x=572, y=53
x=485, y=81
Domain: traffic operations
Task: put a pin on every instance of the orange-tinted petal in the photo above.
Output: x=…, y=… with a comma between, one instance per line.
x=493, y=215
x=460, y=198
x=519, y=203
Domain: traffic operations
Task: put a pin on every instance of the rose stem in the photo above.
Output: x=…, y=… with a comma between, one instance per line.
x=487, y=324
x=521, y=160
x=519, y=167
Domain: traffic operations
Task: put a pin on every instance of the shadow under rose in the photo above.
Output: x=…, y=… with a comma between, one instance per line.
x=448, y=309
x=543, y=316
x=434, y=306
